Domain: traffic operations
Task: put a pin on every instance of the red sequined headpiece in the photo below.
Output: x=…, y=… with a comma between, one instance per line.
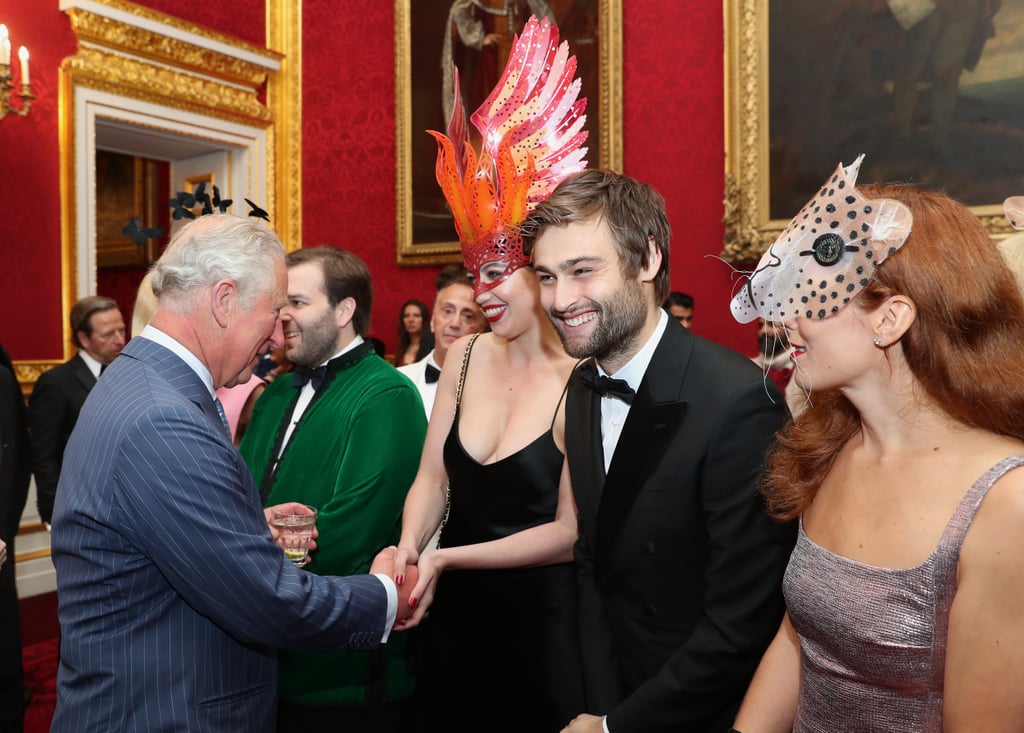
x=531, y=126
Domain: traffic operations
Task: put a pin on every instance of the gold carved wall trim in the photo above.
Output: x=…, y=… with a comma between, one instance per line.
x=153, y=46
x=284, y=98
x=179, y=89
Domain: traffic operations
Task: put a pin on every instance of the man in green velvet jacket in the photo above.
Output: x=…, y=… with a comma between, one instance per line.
x=343, y=434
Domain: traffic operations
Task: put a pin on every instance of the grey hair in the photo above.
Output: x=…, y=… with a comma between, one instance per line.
x=213, y=248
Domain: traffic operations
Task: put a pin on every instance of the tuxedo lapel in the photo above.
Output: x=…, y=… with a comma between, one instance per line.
x=657, y=410
x=583, y=450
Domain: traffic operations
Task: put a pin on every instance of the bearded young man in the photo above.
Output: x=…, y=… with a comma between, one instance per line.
x=679, y=568
x=343, y=434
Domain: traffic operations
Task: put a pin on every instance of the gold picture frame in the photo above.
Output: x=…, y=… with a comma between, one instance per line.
x=593, y=28
x=788, y=123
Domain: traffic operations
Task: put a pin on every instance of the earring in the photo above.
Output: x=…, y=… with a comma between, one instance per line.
x=878, y=342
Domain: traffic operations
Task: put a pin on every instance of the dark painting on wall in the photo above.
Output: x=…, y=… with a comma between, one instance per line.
x=931, y=91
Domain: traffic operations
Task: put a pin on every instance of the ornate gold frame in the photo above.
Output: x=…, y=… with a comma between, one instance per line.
x=608, y=108
x=130, y=61
x=748, y=228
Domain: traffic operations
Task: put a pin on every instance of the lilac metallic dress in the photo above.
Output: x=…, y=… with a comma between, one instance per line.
x=873, y=640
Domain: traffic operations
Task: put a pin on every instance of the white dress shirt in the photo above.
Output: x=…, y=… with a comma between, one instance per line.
x=615, y=411
x=417, y=372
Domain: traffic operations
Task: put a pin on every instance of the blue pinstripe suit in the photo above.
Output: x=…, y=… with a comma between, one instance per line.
x=172, y=595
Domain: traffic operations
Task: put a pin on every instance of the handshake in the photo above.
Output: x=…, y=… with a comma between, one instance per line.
x=384, y=563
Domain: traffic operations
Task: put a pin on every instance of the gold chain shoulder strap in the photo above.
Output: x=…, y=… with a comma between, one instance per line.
x=455, y=426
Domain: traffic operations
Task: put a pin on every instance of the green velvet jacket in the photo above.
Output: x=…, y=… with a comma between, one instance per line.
x=353, y=456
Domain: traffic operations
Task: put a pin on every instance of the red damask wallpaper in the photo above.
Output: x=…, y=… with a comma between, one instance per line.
x=244, y=19
x=30, y=227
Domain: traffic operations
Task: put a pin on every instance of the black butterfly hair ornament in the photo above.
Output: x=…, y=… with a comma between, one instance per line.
x=133, y=228
x=203, y=199
x=222, y=204
x=182, y=205
x=257, y=211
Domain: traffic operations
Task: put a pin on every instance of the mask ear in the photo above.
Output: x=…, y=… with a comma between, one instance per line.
x=1013, y=207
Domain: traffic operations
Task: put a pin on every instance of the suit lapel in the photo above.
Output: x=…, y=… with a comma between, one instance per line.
x=656, y=412
x=178, y=374
x=82, y=373
x=584, y=452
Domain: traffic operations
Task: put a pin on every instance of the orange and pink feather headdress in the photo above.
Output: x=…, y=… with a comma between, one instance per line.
x=532, y=130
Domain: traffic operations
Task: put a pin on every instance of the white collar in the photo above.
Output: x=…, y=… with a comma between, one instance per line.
x=94, y=366
x=351, y=345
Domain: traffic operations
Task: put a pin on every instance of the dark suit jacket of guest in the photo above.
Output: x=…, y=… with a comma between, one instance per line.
x=54, y=405
x=14, y=478
x=172, y=595
x=15, y=453
x=680, y=569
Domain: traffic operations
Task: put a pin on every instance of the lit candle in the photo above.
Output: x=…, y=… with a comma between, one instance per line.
x=5, y=46
x=23, y=55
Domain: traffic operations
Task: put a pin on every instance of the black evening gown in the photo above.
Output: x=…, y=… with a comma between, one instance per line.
x=502, y=650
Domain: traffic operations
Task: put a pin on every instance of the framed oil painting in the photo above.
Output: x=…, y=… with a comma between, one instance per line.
x=932, y=91
x=476, y=35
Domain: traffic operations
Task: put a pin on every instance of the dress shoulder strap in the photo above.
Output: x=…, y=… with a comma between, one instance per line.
x=565, y=391
x=953, y=536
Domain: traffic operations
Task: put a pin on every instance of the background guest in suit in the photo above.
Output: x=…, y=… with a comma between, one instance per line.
x=679, y=567
x=97, y=330
x=455, y=314
x=414, y=342
x=680, y=306
x=172, y=593
x=345, y=437
x=15, y=471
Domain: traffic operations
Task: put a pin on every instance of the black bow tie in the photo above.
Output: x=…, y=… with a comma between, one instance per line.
x=304, y=375
x=431, y=374
x=605, y=386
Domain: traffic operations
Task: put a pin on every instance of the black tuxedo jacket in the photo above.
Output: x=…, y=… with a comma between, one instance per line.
x=53, y=411
x=680, y=569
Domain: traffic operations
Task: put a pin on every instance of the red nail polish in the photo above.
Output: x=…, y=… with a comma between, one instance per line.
x=400, y=579
x=413, y=602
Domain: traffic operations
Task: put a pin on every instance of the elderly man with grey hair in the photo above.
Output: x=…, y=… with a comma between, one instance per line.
x=173, y=594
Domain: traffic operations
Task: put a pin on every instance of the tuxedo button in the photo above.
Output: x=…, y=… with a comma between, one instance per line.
x=649, y=610
x=649, y=548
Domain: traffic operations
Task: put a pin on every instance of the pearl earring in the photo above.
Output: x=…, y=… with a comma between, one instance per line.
x=878, y=342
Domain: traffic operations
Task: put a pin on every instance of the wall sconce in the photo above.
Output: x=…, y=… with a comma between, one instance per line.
x=7, y=93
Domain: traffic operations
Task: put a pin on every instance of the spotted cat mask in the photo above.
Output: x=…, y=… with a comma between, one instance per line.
x=826, y=255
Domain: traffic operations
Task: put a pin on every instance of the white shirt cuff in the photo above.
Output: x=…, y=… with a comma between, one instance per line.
x=604, y=724
x=392, y=590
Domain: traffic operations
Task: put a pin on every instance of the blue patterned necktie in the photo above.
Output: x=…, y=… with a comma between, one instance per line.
x=223, y=415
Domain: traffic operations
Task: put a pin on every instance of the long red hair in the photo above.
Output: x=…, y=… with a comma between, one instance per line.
x=965, y=348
